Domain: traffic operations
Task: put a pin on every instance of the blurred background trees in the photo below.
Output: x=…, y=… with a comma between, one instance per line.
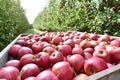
x=12, y=21
x=102, y=16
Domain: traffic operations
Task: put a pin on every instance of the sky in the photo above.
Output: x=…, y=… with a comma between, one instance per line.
x=33, y=8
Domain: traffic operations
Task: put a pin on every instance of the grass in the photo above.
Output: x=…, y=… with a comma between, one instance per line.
x=33, y=30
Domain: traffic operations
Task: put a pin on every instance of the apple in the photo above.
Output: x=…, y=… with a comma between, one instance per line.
x=64, y=49
x=77, y=40
x=21, y=42
x=30, y=78
x=76, y=61
x=63, y=70
x=56, y=40
x=83, y=35
x=77, y=50
x=70, y=42
x=115, y=55
x=14, y=63
x=103, y=43
x=48, y=49
x=26, y=59
x=93, y=43
x=37, y=47
x=30, y=42
x=105, y=38
x=56, y=56
x=85, y=43
x=9, y=73
x=23, y=51
x=99, y=47
x=115, y=43
x=93, y=36
x=42, y=59
x=13, y=51
x=102, y=53
x=46, y=75
x=94, y=65
x=87, y=55
x=80, y=76
x=46, y=38
x=29, y=70
x=89, y=50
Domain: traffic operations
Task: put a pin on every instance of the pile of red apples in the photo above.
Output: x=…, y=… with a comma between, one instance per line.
x=60, y=56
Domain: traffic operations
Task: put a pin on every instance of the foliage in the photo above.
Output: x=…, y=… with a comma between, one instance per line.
x=12, y=21
x=80, y=15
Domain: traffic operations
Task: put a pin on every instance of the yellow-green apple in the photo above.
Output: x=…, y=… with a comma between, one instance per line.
x=80, y=76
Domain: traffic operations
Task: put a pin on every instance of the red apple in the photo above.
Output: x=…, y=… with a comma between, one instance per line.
x=115, y=43
x=63, y=70
x=83, y=35
x=94, y=36
x=21, y=42
x=105, y=38
x=70, y=42
x=99, y=47
x=26, y=59
x=87, y=55
x=30, y=78
x=30, y=42
x=37, y=47
x=77, y=50
x=14, y=63
x=89, y=50
x=76, y=61
x=56, y=40
x=42, y=59
x=46, y=75
x=46, y=38
x=115, y=55
x=94, y=65
x=9, y=73
x=24, y=50
x=56, y=56
x=29, y=70
x=13, y=51
x=48, y=49
x=102, y=53
x=64, y=49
